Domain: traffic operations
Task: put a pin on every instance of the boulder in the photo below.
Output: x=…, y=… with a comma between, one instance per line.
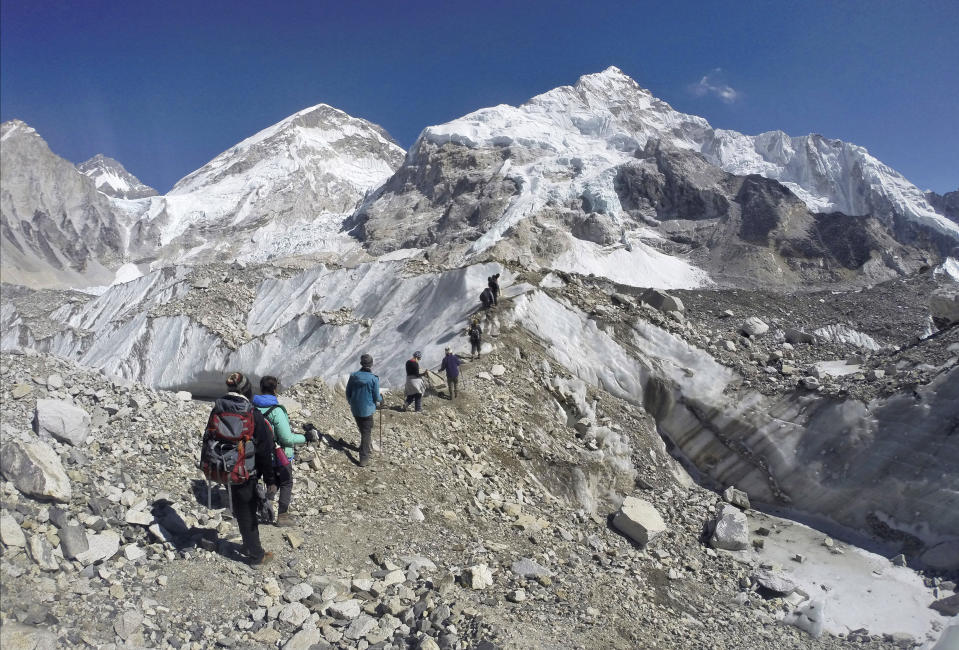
x=35, y=469
x=40, y=551
x=774, y=582
x=62, y=420
x=736, y=497
x=529, y=568
x=73, y=541
x=477, y=577
x=944, y=306
x=947, y=606
x=639, y=520
x=753, y=326
x=497, y=370
x=360, y=627
x=731, y=531
x=304, y=639
x=662, y=301
x=184, y=395
x=128, y=624
x=101, y=547
x=10, y=532
x=796, y=337
x=294, y=613
x=298, y=592
x=345, y=610
x=21, y=390
x=14, y=636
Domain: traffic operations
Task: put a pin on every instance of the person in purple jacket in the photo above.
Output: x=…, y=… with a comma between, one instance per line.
x=451, y=366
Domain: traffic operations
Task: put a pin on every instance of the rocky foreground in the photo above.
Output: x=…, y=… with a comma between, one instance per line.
x=495, y=520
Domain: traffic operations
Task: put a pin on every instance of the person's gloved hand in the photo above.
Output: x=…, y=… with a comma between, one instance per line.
x=310, y=432
x=271, y=491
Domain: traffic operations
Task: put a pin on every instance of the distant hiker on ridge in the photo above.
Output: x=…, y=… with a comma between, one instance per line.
x=451, y=366
x=235, y=426
x=415, y=385
x=475, y=334
x=486, y=298
x=363, y=394
x=276, y=415
x=493, y=282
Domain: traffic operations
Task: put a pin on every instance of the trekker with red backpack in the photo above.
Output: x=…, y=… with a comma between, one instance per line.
x=237, y=450
x=275, y=413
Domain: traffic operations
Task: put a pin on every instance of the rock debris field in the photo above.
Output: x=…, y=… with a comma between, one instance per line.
x=495, y=520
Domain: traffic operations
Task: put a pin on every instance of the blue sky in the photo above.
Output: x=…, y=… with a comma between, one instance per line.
x=163, y=87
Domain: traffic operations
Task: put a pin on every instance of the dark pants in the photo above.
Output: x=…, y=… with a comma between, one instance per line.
x=416, y=397
x=285, y=476
x=244, y=509
x=474, y=347
x=451, y=384
x=365, y=425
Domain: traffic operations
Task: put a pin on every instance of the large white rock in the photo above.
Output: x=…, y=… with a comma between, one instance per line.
x=35, y=469
x=299, y=592
x=478, y=577
x=662, y=301
x=347, y=609
x=639, y=520
x=304, y=639
x=294, y=613
x=732, y=530
x=41, y=553
x=101, y=547
x=10, y=532
x=754, y=326
x=62, y=420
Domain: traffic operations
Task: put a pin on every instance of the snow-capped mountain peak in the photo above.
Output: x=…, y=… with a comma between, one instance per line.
x=283, y=191
x=113, y=179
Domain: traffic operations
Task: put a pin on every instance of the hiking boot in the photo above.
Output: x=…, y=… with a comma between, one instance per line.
x=284, y=519
x=366, y=462
x=265, y=559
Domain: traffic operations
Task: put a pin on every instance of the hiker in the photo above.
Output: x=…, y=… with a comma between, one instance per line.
x=363, y=394
x=275, y=413
x=475, y=334
x=493, y=282
x=415, y=385
x=234, y=411
x=451, y=366
x=486, y=298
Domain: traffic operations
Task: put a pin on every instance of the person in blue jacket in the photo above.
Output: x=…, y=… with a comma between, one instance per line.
x=275, y=413
x=363, y=394
x=451, y=366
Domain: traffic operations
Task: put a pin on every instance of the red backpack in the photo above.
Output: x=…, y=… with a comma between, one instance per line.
x=228, y=454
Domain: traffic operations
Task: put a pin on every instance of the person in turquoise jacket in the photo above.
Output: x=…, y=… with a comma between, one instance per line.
x=277, y=416
x=363, y=394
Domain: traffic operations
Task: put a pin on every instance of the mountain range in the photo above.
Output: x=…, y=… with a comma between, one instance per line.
x=600, y=177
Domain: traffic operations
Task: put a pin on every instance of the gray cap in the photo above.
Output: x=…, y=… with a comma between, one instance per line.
x=418, y=354
x=366, y=361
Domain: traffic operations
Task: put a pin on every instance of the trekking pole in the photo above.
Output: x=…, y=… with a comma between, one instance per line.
x=381, y=430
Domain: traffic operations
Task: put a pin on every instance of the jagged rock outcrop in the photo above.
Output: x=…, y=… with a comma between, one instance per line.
x=56, y=229
x=945, y=204
x=113, y=179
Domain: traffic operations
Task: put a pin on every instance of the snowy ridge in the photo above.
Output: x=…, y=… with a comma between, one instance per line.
x=576, y=135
